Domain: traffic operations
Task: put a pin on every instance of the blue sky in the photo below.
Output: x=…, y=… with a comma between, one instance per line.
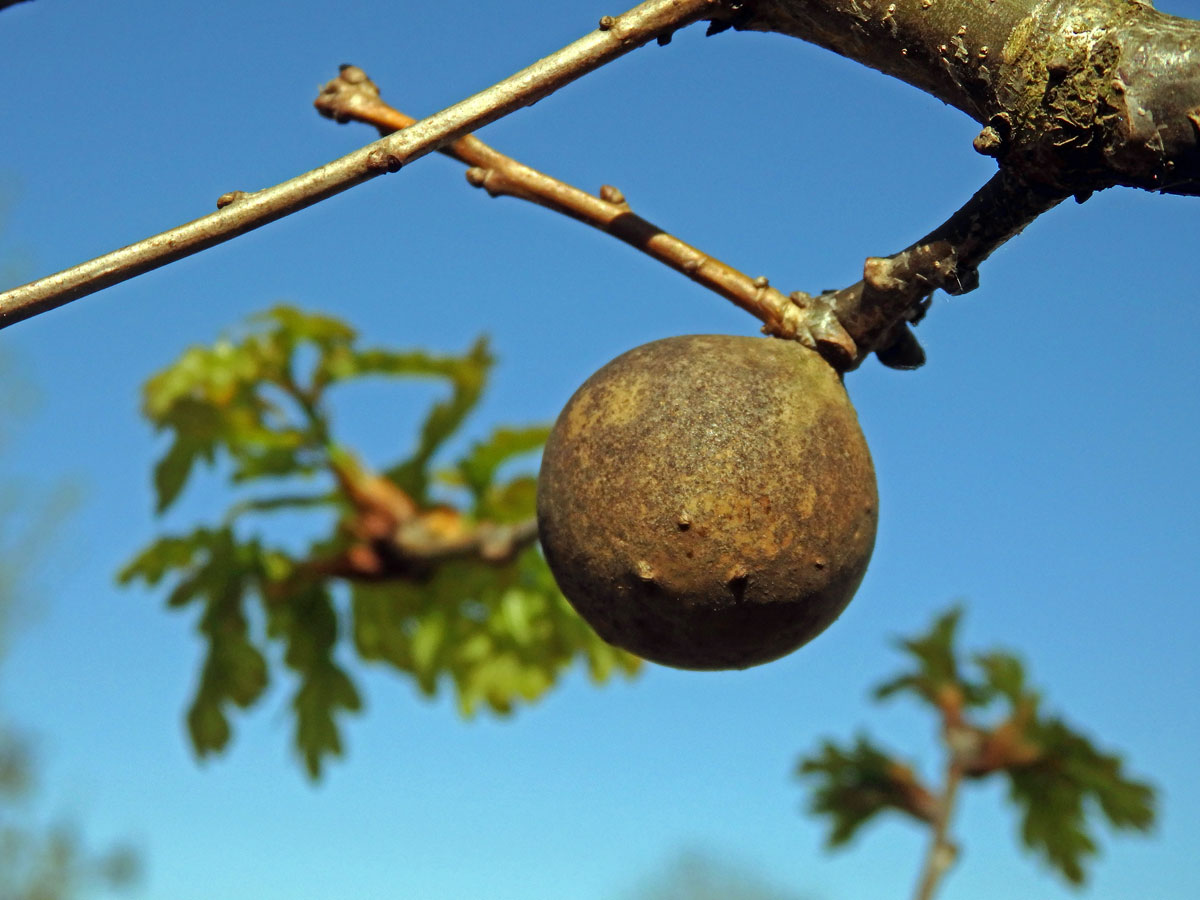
x=1040, y=467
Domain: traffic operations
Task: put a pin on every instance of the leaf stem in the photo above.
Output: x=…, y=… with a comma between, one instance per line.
x=942, y=851
x=243, y=212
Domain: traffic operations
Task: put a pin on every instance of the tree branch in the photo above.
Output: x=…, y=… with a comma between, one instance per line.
x=942, y=852
x=843, y=325
x=1073, y=95
x=495, y=543
x=615, y=37
x=416, y=548
x=896, y=290
x=393, y=538
x=353, y=96
x=1078, y=95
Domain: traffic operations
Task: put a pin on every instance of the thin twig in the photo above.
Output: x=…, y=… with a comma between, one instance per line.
x=416, y=548
x=495, y=543
x=615, y=37
x=942, y=852
x=353, y=96
x=843, y=325
x=395, y=539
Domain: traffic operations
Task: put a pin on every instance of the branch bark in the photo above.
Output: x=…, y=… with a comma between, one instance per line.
x=353, y=96
x=896, y=290
x=414, y=550
x=1074, y=95
x=844, y=326
x=616, y=36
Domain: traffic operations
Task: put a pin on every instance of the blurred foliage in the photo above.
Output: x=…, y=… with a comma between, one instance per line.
x=40, y=862
x=428, y=567
x=37, y=861
x=15, y=266
x=992, y=724
x=856, y=783
x=699, y=876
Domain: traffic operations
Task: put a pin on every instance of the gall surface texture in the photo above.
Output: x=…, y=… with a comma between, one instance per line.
x=708, y=501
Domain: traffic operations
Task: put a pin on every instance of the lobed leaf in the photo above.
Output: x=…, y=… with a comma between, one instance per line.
x=325, y=690
x=1071, y=780
x=153, y=563
x=937, y=674
x=308, y=624
x=478, y=468
x=1004, y=676
x=857, y=783
x=501, y=635
x=468, y=376
x=1058, y=779
x=292, y=325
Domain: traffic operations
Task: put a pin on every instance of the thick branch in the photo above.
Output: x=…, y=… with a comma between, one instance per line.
x=1078, y=95
x=896, y=289
x=616, y=37
x=353, y=96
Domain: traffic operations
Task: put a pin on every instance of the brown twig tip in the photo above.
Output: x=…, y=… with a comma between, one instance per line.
x=350, y=92
x=380, y=160
x=610, y=194
x=230, y=197
x=352, y=74
x=609, y=211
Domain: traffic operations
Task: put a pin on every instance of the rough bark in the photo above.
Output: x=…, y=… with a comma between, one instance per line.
x=1073, y=95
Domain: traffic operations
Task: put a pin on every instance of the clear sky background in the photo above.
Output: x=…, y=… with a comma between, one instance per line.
x=1041, y=467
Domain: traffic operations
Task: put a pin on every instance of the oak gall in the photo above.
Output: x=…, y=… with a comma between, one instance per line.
x=708, y=501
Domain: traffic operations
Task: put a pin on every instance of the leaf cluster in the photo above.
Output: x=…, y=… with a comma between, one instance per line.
x=38, y=861
x=857, y=782
x=440, y=607
x=992, y=724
